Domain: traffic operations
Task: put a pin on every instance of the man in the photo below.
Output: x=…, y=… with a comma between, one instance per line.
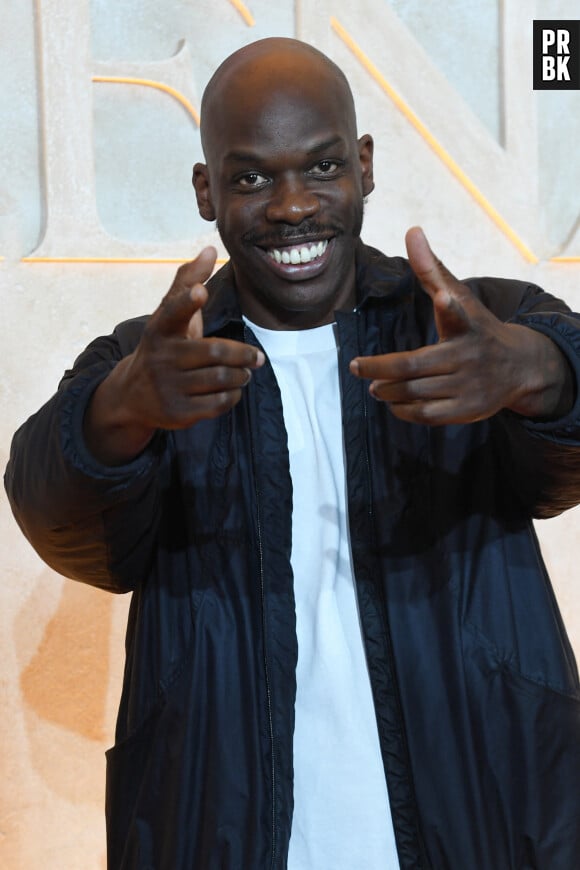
x=343, y=650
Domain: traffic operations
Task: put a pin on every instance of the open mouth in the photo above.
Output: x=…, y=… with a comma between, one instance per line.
x=298, y=254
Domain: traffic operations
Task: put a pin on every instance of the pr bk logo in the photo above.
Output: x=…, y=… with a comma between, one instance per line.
x=556, y=55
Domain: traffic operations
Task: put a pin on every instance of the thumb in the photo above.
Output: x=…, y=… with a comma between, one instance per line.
x=447, y=293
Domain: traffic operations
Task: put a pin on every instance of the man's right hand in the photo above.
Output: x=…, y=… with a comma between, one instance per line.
x=174, y=378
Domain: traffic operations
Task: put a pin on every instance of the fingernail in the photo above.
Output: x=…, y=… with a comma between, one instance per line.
x=260, y=358
x=354, y=367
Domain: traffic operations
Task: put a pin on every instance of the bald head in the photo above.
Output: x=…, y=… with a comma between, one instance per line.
x=258, y=72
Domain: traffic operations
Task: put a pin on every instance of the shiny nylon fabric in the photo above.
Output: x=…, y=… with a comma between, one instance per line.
x=224, y=748
x=475, y=686
x=452, y=586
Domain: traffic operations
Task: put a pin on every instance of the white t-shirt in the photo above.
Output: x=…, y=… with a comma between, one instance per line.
x=342, y=818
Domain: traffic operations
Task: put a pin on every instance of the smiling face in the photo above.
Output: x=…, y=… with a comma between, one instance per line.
x=285, y=180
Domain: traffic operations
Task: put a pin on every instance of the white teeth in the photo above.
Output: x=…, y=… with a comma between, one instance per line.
x=296, y=256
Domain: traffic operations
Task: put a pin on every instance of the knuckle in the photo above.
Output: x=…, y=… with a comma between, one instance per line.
x=427, y=412
x=214, y=350
x=149, y=330
x=411, y=366
x=169, y=408
x=223, y=377
x=223, y=401
x=229, y=398
x=180, y=277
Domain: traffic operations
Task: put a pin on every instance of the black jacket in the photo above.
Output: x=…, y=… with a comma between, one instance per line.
x=475, y=687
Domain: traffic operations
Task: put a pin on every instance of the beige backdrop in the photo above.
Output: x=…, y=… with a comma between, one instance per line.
x=98, y=100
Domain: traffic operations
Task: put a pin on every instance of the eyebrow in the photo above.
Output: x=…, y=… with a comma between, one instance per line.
x=329, y=143
x=253, y=157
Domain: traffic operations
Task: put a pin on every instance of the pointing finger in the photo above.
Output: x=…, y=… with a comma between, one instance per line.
x=180, y=314
x=195, y=272
x=180, y=310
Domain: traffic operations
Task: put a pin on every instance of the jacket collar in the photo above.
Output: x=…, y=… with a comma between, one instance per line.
x=377, y=277
x=222, y=309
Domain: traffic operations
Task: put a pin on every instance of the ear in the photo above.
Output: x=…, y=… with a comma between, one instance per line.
x=201, y=185
x=365, y=153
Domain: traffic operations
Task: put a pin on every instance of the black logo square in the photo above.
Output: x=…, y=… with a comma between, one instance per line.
x=556, y=55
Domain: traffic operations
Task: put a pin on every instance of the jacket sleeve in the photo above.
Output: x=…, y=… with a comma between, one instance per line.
x=87, y=521
x=541, y=459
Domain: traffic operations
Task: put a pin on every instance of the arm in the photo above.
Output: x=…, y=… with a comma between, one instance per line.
x=86, y=472
x=522, y=373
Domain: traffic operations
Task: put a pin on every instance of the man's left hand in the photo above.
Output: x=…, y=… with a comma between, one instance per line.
x=479, y=365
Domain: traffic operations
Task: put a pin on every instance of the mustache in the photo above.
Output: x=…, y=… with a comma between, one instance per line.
x=287, y=234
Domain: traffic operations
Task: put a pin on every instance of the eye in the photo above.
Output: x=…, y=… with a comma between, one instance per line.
x=325, y=168
x=251, y=180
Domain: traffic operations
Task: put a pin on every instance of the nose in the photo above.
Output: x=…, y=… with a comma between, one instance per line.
x=291, y=201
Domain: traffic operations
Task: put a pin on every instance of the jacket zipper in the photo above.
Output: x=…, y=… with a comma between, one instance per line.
x=370, y=511
x=266, y=670
x=264, y=634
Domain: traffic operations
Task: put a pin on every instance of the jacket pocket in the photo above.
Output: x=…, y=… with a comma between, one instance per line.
x=129, y=845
